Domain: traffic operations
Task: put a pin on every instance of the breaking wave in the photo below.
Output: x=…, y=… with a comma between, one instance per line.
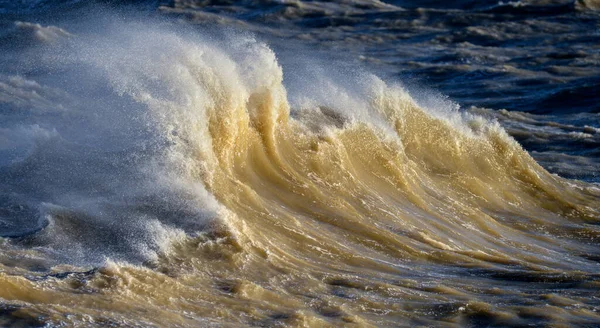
x=191, y=176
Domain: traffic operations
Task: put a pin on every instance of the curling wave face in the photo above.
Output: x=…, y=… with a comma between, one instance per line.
x=197, y=193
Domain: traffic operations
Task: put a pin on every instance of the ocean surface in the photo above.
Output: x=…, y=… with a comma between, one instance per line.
x=352, y=163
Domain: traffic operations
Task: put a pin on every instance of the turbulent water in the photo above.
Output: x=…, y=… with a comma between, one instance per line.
x=288, y=163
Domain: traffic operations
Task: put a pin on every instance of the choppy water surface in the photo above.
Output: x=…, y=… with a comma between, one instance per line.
x=299, y=163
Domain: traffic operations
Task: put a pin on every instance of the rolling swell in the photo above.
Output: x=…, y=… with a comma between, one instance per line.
x=352, y=204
